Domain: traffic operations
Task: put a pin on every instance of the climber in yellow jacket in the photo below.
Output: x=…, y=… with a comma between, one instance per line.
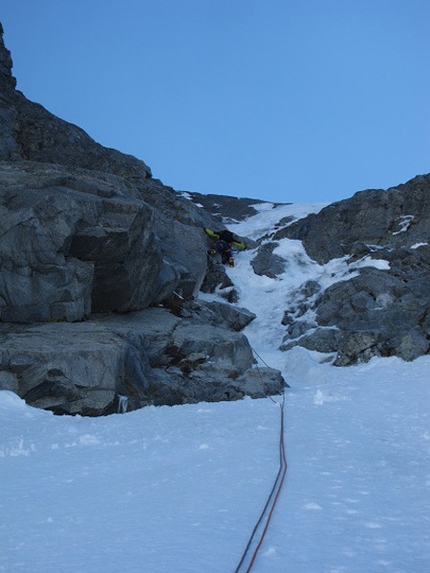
x=225, y=240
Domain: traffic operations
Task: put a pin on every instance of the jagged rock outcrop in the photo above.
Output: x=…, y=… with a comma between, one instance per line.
x=385, y=311
x=396, y=217
x=74, y=242
x=223, y=208
x=127, y=361
x=266, y=262
x=84, y=230
x=28, y=131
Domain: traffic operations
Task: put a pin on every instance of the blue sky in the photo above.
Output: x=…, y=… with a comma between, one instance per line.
x=282, y=100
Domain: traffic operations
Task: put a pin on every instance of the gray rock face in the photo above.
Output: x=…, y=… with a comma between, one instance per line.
x=8, y=144
x=224, y=208
x=381, y=312
x=86, y=231
x=6, y=78
x=131, y=360
x=397, y=217
x=30, y=132
x=68, y=249
x=266, y=262
x=216, y=278
x=84, y=228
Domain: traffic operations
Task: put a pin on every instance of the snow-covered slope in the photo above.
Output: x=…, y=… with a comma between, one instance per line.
x=179, y=489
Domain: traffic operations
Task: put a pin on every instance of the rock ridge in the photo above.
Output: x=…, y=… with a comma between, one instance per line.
x=385, y=310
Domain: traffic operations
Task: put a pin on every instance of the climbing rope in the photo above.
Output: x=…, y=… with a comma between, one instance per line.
x=261, y=378
x=260, y=529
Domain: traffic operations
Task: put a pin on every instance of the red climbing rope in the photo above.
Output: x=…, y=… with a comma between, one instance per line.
x=259, y=532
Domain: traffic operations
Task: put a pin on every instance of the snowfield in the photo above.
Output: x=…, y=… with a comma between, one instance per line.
x=179, y=489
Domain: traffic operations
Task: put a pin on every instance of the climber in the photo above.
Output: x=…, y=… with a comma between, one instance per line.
x=225, y=240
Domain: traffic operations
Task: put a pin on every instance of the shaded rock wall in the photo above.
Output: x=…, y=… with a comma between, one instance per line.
x=399, y=216
x=385, y=310
x=85, y=232
x=149, y=357
x=85, y=228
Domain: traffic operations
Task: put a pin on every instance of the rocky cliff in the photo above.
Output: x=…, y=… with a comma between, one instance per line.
x=382, y=310
x=100, y=265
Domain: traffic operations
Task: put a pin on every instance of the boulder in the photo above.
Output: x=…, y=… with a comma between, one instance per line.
x=266, y=262
x=358, y=345
x=231, y=316
x=216, y=279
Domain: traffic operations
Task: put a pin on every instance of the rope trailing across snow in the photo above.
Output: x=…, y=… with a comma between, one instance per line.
x=259, y=532
x=260, y=529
